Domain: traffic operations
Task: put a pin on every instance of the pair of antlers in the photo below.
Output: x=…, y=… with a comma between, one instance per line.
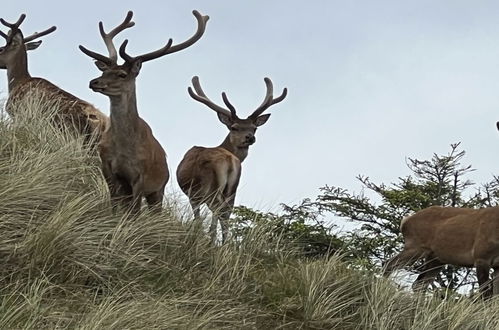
x=269, y=99
x=14, y=27
x=112, y=58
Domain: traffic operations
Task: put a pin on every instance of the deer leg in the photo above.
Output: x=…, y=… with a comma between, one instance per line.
x=215, y=204
x=224, y=218
x=430, y=270
x=495, y=281
x=195, y=205
x=137, y=194
x=482, y=274
x=404, y=258
x=113, y=185
x=154, y=200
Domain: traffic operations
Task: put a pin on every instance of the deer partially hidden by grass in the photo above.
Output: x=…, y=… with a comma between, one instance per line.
x=211, y=175
x=450, y=235
x=76, y=113
x=133, y=162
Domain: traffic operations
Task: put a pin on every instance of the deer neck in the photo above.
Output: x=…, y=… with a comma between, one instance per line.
x=124, y=118
x=17, y=72
x=240, y=153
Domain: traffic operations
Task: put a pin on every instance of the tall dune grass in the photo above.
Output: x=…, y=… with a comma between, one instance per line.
x=69, y=262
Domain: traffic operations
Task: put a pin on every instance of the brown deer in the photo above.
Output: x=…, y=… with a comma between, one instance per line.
x=133, y=161
x=84, y=117
x=450, y=235
x=211, y=175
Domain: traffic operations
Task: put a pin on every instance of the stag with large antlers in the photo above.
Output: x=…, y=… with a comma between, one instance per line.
x=80, y=115
x=133, y=161
x=211, y=175
x=450, y=235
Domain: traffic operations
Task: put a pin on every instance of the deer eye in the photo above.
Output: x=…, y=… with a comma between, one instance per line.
x=122, y=74
x=234, y=128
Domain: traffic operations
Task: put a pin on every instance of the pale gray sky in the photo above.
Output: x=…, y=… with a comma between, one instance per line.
x=370, y=82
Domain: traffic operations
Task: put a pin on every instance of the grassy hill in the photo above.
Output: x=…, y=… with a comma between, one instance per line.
x=69, y=262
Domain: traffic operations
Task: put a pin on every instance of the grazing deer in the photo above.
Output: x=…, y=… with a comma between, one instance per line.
x=450, y=235
x=84, y=117
x=133, y=162
x=211, y=175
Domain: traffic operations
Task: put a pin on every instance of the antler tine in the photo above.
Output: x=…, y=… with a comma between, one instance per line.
x=14, y=25
x=108, y=37
x=96, y=56
x=200, y=96
x=37, y=35
x=155, y=54
x=269, y=99
x=5, y=36
x=199, y=33
x=123, y=53
x=229, y=105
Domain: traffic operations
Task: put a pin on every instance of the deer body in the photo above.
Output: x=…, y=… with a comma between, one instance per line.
x=76, y=113
x=448, y=235
x=211, y=175
x=133, y=162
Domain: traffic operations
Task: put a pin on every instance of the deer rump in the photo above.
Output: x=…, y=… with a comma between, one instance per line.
x=457, y=236
x=209, y=174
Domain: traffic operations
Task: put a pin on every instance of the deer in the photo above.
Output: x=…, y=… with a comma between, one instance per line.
x=133, y=161
x=80, y=115
x=462, y=237
x=211, y=175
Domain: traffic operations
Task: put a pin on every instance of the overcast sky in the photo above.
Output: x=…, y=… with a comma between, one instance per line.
x=370, y=82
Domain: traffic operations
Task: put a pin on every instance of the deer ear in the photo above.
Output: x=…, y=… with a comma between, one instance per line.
x=33, y=45
x=101, y=66
x=224, y=119
x=136, y=65
x=260, y=120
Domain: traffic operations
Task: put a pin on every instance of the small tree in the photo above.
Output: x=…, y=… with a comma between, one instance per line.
x=442, y=180
x=299, y=227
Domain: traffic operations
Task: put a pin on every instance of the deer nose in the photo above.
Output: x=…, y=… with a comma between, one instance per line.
x=95, y=83
x=250, y=138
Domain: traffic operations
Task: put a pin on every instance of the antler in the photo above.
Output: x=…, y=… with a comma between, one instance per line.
x=200, y=96
x=108, y=37
x=269, y=99
x=145, y=57
x=15, y=26
x=37, y=35
x=168, y=48
x=108, y=40
x=199, y=33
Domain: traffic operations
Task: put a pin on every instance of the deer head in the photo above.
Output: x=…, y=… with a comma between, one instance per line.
x=16, y=44
x=116, y=78
x=241, y=131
